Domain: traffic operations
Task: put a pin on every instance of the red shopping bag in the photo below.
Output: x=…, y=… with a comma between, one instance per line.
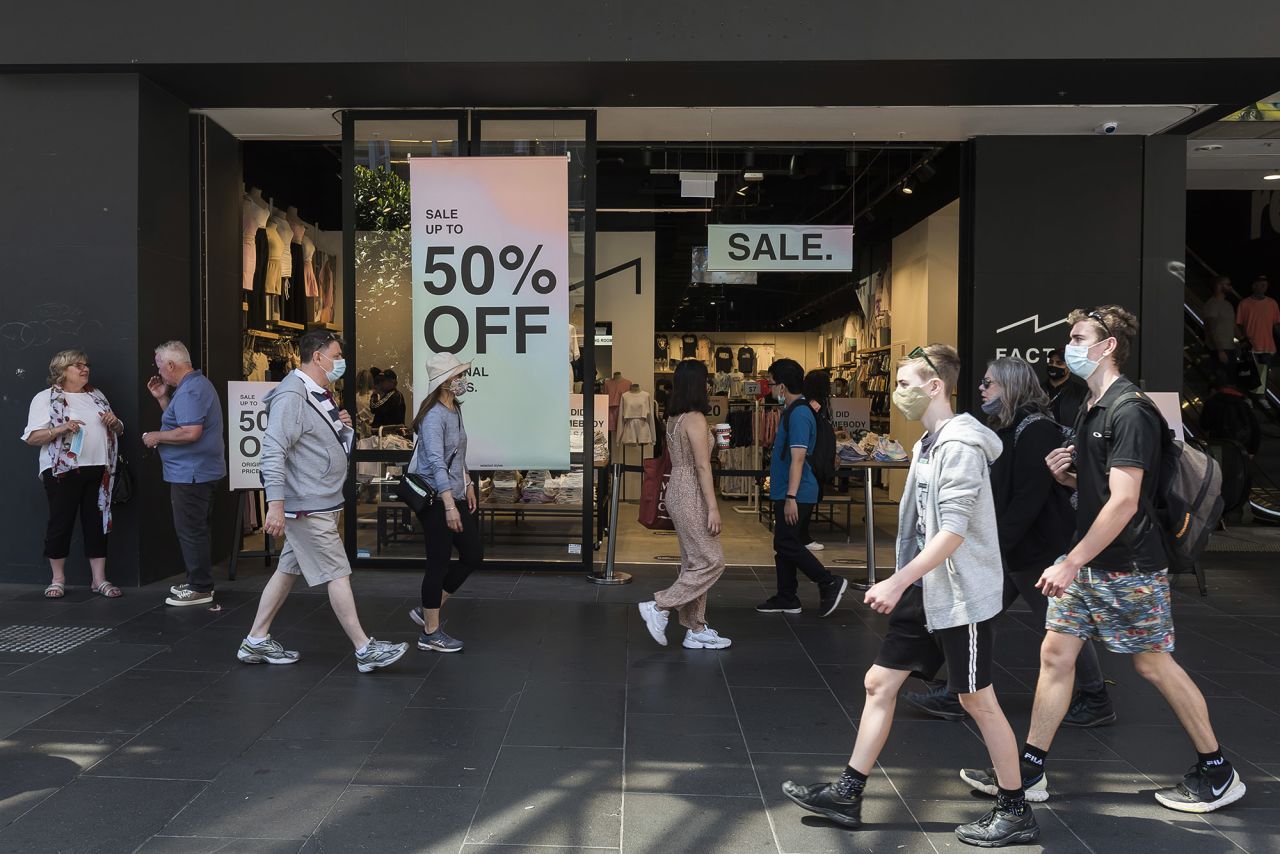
x=653, y=494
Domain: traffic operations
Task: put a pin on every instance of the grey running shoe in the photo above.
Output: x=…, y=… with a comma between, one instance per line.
x=415, y=614
x=379, y=654
x=190, y=596
x=269, y=651
x=439, y=641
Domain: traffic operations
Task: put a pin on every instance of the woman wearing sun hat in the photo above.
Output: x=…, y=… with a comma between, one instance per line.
x=450, y=522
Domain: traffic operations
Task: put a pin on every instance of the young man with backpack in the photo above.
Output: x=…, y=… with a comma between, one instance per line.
x=793, y=489
x=1113, y=585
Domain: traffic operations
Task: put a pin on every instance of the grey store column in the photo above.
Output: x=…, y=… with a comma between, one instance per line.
x=94, y=254
x=1055, y=223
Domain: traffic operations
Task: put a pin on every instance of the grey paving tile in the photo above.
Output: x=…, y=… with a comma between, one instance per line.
x=437, y=747
x=216, y=845
x=129, y=703
x=688, y=754
x=552, y=796
x=581, y=659
x=792, y=720
x=286, y=786
x=769, y=664
x=37, y=763
x=94, y=815
x=212, y=648
x=359, y=707
x=80, y=669
x=670, y=822
x=1252, y=823
x=285, y=684
x=569, y=714
x=662, y=687
x=18, y=710
x=847, y=642
x=195, y=742
x=389, y=819
x=471, y=681
x=939, y=818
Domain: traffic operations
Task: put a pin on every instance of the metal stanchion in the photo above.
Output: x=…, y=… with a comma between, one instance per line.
x=609, y=576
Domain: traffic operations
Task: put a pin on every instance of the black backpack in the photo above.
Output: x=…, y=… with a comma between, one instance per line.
x=823, y=458
x=1188, y=501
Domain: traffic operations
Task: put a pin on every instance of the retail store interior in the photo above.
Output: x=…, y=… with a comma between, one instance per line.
x=655, y=304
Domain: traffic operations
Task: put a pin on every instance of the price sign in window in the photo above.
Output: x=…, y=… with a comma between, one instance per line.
x=246, y=423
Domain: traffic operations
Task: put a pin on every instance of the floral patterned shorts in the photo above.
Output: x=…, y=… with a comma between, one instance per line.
x=1127, y=611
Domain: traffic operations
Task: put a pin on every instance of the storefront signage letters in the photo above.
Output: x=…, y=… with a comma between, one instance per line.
x=851, y=413
x=491, y=285
x=777, y=248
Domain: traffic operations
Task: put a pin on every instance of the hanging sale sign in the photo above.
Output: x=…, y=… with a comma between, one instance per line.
x=491, y=285
x=246, y=424
x=774, y=248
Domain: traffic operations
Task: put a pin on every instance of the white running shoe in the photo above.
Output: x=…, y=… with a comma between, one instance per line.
x=655, y=619
x=708, y=638
x=815, y=547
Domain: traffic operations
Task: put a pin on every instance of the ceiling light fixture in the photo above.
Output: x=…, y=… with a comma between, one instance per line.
x=742, y=191
x=924, y=172
x=907, y=187
x=1210, y=147
x=753, y=176
x=1274, y=176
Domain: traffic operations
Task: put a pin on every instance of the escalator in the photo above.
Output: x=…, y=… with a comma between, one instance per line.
x=1262, y=471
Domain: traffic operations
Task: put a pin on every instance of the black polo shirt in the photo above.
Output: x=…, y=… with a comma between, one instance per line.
x=1135, y=443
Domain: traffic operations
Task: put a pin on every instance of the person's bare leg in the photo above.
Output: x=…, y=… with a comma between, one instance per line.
x=1057, y=680
x=882, y=686
x=1001, y=743
x=1182, y=694
x=58, y=566
x=98, y=566
x=272, y=600
x=343, y=602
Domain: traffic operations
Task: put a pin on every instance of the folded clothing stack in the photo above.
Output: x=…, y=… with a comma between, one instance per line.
x=539, y=487
x=570, y=488
x=506, y=487
x=601, y=449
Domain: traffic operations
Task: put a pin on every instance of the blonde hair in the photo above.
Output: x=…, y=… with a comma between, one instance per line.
x=175, y=351
x=939, y=360
x=62, y=360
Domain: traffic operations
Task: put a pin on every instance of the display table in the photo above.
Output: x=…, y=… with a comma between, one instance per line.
x=868, y=498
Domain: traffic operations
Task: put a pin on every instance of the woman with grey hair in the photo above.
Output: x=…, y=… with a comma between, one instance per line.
x=1036, y=521
x=72, y=424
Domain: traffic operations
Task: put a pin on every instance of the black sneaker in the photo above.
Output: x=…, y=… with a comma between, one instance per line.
x=938, y=702
x=779, y=605
x=1197, y=793
x=1036, y=786
x=823, y=800
x=831, y=592
x=999, y=828
x=1090, y=709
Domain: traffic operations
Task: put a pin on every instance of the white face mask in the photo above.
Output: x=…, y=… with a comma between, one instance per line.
x=1078, y=362
x=339, y=368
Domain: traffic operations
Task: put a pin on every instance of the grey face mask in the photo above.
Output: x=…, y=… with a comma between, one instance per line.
x=992, y=407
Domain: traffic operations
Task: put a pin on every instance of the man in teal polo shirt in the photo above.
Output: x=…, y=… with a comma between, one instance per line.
x=793, y=489
x=191, y=448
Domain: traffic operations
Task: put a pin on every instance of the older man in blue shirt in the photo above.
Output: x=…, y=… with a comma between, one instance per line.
x=191, y=447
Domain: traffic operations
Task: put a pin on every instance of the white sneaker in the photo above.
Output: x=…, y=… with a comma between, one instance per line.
x=815, y=547
x=655, y=619
x=708, y=638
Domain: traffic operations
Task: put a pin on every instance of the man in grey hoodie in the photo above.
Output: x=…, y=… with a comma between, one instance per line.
x=943, y=600
x=305, y=453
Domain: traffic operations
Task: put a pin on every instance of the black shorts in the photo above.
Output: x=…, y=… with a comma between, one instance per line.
x=909, y=645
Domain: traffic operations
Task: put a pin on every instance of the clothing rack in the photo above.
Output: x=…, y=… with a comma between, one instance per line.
x=752, y=494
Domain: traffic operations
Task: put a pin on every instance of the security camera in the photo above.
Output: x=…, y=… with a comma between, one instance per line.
x=1107, y=128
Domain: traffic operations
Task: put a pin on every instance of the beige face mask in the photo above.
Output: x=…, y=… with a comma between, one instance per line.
x=911, y=402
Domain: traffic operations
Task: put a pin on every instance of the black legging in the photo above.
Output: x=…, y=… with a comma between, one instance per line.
x=440, y=575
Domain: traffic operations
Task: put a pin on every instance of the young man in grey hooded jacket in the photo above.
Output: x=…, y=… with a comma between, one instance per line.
x=942, y=601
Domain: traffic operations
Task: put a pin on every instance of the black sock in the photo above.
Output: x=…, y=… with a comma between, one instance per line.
x=851, y=782
x=1216, y=765
x=1033, y=759
x=1012, y=800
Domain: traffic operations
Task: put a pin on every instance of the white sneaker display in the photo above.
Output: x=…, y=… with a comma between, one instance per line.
x=815, y=547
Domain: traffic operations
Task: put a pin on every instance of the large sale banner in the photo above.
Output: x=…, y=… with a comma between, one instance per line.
x=491, y=285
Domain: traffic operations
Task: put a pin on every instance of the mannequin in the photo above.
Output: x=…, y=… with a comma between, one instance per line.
x=635, y=423
x=311, y=284
x=295, y=299
x=251, y=219
x=276, y=251
x=615, y=387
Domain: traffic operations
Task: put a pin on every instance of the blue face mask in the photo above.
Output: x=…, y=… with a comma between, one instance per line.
x=339, y=368
x=1077, y=358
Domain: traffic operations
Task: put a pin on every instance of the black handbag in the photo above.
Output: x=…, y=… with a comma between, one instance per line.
x=416, y=491
x=122, y=490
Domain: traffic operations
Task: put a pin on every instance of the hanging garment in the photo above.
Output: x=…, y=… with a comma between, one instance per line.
x=704, y=350
x=746, y=360
x=689, y=347
x=575, y=346
x=275, y=256
x=661, y=346
x=310, y=284
x=614, y=388
x=285, y=232
x=635, y=419
x=326, y=291
x=294, y=298
x=724, y=360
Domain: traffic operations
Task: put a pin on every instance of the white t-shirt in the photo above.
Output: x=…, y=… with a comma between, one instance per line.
x=80, y=407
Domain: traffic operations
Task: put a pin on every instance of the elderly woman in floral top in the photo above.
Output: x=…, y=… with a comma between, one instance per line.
x=72, y=424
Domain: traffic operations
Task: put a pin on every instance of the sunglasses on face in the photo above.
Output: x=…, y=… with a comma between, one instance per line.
x=986, y=383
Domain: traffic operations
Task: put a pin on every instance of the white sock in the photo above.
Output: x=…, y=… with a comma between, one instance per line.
x=362, y=650
x=255, y=641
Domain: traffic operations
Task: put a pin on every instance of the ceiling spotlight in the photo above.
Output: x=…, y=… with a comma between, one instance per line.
x=1274, y=176
x=794, y=169
x=908, y=187
x=753, y=176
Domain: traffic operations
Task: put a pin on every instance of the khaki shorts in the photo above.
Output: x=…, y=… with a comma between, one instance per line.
x=313, y=549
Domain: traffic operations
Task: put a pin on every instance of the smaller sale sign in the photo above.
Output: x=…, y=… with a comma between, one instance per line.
x=246, y=424
x=851, y=413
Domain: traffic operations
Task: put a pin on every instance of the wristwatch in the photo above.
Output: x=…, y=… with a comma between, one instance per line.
x=791, y=498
